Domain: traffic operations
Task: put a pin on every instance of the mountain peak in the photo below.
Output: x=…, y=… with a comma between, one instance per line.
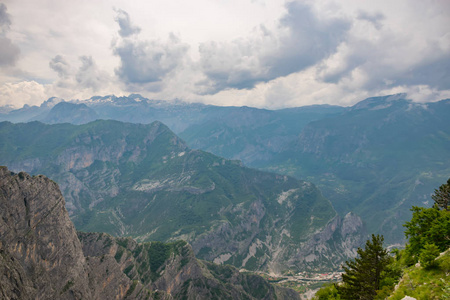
x=51, y=102
x=380, y=102
x=66, y=112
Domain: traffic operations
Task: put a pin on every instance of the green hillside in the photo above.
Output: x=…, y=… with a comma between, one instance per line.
x=422, y=283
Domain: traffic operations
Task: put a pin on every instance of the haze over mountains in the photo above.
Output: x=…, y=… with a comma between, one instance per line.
x=376, y=158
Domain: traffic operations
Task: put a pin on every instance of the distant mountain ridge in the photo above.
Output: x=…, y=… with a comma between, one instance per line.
x=143, y=181
x=244, y=133
x=66, y=112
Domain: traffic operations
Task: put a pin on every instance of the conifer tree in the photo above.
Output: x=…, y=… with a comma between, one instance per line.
x=362, y=276
x=441, y=196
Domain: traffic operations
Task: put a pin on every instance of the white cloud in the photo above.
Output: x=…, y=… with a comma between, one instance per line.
x=236, y=52
x=89, y=76
x=9, y=52
x=25, y=92
x=405, y=46
x=60, y=65
x=126, y=28
x=143, y=63
x=301, y=40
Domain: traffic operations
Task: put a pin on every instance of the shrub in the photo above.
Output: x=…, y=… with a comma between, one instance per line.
x=428, y=256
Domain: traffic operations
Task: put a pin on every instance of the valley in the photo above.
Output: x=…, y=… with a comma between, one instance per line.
x=304, y=283
x=362, y=158
x=143, y=181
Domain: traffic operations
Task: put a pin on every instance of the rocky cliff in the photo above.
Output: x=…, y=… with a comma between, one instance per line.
x=43, y=258
x=41, y=254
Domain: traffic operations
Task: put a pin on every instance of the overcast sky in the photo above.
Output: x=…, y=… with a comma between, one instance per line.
x=260, y=53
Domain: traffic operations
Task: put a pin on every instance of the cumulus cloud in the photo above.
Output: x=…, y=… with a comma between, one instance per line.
x=375, y=18
x=434, y=72
x=306, y=52
x=381, y=55
x=387, y=63
x=90, y=76
x=9, y=53
x=25, y=92
x=148, y=61
x=301, y=40
x=87, y=77
x=5, y=19
x=60, y=65
x=126, y=28
x=145, y=63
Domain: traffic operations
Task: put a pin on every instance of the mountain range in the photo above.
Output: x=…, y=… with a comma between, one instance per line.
x=141, y=180
x=376, y=158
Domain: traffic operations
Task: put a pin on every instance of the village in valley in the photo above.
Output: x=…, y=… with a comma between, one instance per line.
x=306, y=283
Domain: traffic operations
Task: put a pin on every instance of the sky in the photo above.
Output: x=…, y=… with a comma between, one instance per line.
x=268, y=54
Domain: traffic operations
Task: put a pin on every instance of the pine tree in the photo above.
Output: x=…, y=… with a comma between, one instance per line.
x=428, y=256
x=441, y=196
x=362, y=276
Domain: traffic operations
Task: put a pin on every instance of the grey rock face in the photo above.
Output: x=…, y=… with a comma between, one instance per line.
x=324, y=249
x=333, y=245
x=40, y=248
x=180, y=276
